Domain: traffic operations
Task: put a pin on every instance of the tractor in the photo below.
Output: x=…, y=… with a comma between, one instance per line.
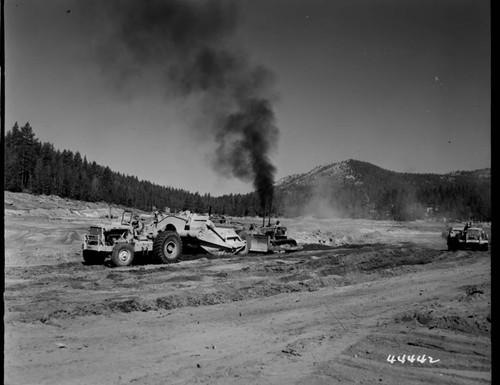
x=269, y=239
x=262, y=239
x=165, y=237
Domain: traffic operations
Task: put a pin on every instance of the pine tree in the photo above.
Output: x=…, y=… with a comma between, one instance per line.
x=27, y=155
x=12, y=169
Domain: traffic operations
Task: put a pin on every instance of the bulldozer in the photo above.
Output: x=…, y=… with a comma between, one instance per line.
x=165, y=237
x=268, y=239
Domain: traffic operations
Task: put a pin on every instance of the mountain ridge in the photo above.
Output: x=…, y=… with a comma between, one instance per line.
x=349, y=170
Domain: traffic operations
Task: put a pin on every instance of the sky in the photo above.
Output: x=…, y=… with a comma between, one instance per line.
x=405, y=85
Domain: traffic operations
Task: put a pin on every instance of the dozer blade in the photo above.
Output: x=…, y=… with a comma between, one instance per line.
x=259, y=243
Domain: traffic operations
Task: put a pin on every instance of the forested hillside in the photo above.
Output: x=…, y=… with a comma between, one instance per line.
x=350, y=189
x=358, y=189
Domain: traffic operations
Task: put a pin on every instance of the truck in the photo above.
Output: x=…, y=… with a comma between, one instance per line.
x=461, y=238
x=165, y=238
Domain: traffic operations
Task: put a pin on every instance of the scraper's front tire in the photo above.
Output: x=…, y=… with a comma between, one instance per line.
x=167, y=247
x=122, y=254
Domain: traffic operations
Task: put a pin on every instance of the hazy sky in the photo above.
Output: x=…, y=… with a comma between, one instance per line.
x=402, y=84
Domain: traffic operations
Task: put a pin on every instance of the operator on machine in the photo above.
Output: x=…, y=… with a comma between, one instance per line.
x=138, y=225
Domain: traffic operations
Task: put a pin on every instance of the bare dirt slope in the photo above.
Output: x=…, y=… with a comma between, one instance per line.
x=363, y=302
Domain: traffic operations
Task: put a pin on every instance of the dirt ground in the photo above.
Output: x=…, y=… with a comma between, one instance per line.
x=363, y=302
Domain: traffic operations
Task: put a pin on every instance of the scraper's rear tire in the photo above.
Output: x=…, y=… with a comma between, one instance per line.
x=167, y=247
x=122, y=254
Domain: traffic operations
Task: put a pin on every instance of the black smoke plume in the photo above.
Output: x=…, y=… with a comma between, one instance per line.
x=185, y=46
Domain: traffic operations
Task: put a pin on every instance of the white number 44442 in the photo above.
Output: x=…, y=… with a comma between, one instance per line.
x=411, y=359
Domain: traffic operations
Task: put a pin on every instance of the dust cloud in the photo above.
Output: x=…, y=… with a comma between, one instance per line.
x=321, y=203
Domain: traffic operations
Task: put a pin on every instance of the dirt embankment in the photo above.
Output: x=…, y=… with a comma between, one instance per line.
x=54, y=207
x=363, y=302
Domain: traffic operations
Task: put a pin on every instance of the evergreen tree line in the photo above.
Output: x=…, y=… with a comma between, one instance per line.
x=370, y=192
x=39, y=168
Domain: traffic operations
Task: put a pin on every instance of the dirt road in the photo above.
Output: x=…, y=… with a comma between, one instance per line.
x=336, y=312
